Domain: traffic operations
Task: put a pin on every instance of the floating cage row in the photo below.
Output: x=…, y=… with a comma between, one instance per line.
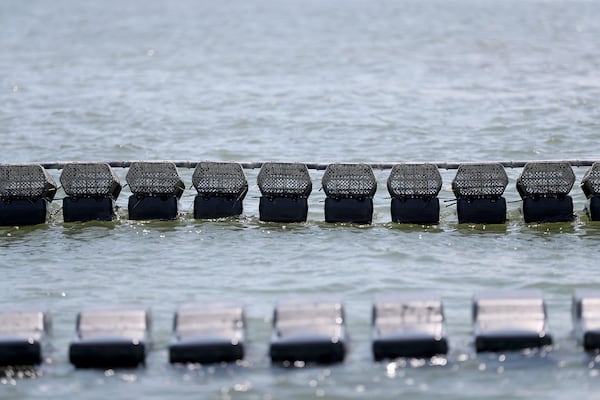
x=410, y=324
x=92, y=190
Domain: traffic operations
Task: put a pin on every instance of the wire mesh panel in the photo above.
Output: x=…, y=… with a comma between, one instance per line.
x=310, y=331
x=585, y=312
x=154, y=178
x=220, y=179
x=90, y=180
x=410, y=181
x=208, y=333
x=590, y=184
x=349, y=181
x=25, y=181
x=307, y=313
x=130, y=322
x=24, y=324
x=284, y=180
x=546, y=179
x=23, y=335
x=485, y=180
x=111, y=338
x=509, y=320
x=211, y=321
x=408, y=324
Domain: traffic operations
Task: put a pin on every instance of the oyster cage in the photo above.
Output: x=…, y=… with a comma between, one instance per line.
x=414, y=181
x=154, y=178
x=90, y=180
x=590, y=184
x=545, y=179
x=25, y=181
x=284, y=179
x=480, y=180
x=349, y=181
x=220, y=179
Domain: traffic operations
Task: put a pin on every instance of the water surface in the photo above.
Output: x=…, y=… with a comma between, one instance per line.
x=319, y=81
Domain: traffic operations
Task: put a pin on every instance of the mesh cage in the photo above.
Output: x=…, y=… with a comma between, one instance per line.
x=414, y=181
x=545, y=179
x=25, y=181
x=129, y=322
x=156, y=178
x=220, y=179
x=349, y=181
x=590, y=184
x=284, y=179
x=311, y=312
x=486, y=180
x=90, y=180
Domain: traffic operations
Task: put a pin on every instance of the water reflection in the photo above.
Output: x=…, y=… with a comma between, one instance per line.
x=468, y=229
x=88, y=229
x=10, y=375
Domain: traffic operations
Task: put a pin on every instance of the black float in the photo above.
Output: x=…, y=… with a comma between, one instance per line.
x=22, y=336
x=285, y=188
x=585, y=311
x=92, y=190
x=590, y=184
x=26, y=191
x=156, y=187
x=209, y=333
x=221, y=188
x=544, y=188
x=478, y=189
x=308, y=331
x=414, y=189
x=350, y=189
x=410, y=324
x=510, y=320
x=110, y=338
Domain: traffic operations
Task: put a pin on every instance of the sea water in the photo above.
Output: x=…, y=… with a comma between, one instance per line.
x=309, y=81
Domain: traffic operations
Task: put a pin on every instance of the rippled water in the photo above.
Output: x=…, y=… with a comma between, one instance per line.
x=321, y=81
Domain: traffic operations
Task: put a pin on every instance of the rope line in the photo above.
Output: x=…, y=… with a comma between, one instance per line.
x=323, y=166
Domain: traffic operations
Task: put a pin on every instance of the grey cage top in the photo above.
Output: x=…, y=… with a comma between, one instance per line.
x=114, y=323
x=417, y=313
x=414, y=181
x=314, y=318
x=90, y=180
x=349, y=181
x=25, y=181
x=545, y=179
x=154, y=178
x=220, y=179
x=480, y=180
x=284, y=179
x=590, y=184
x=209, y=320
x=24, y=324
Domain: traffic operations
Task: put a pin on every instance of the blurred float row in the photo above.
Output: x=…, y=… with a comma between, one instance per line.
x=92, y=190
x=409, y=324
